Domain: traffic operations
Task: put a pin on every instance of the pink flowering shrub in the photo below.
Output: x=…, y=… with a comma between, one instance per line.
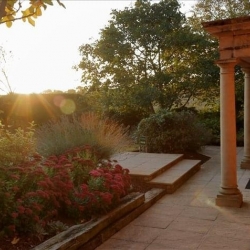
x=106, y=185
x=72, y=185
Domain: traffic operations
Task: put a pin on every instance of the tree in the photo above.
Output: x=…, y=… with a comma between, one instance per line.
x=11, y=10
x=209, y=10
x=145, y=59
x=5, y=85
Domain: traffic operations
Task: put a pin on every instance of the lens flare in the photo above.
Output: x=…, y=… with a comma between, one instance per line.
x=68, y=106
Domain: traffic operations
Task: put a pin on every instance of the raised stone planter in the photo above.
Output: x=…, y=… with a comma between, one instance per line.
x=151, y=197
x=90, y=235
x=79, y=235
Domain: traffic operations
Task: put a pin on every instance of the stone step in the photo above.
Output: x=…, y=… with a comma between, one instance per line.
x=174, y=177
x=148, y=166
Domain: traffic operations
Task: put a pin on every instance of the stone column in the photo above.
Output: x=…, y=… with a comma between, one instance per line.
x=245, y=163
x=229, y=194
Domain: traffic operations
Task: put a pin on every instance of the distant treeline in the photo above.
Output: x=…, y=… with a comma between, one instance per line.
x=19, y=109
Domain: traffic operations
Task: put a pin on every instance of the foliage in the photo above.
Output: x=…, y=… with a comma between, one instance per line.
x=55, y=227
x=19, y=109
x=37, y=193
x=128, y=116
x=209, y=10
x=171, y=132
x=211, y=119
x=105, y=135
x=16, y=146
x=55, y=137
x=111, y=135
x=10, y=10
x=148, y=58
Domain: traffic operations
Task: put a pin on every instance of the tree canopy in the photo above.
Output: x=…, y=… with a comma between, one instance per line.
x=147, y=58
x=11, y=10
x=210, y=10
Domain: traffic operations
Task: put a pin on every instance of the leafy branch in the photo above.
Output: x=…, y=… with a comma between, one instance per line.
x=8, y=12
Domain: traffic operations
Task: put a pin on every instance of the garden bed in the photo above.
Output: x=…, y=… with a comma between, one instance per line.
x=112, y=223
x=93, y=232
x=77, y=235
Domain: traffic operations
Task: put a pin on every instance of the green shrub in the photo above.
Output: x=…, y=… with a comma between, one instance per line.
x=212, y=122
x=105, y=135
x=240, y=137
x=211, y=119
x=16, y=146
x=169, y=132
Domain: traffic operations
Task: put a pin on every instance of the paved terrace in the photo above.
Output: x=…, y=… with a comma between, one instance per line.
x=189, y=219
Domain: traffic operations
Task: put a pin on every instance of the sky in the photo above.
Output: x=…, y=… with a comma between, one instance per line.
x=43, y=56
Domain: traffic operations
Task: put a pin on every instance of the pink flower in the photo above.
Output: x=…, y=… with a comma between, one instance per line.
x=14, y=215
x=81, y=208
x=21, y=209
x=12, y=228
x=28, y=211
x=106, y=197
x=68, y=165
x=15, y=189
x=118, y=168
x=7, y=195
x=108, y=176
x=95, y=173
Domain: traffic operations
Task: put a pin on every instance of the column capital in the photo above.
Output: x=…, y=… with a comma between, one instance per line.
x=226, y=66
x=246, y=70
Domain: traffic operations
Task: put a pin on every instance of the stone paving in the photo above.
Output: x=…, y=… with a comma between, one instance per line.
x=189, y=218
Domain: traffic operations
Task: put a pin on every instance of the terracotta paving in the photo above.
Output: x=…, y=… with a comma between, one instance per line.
x=189, y=218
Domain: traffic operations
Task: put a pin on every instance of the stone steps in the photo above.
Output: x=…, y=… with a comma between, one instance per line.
x=174, y=177
x=154, y=166
x=165, y=171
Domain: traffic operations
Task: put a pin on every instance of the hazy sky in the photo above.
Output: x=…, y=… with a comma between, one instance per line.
x=43, y=55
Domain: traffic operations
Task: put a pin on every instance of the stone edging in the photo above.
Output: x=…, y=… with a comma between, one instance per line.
x=79, y=235
x=90, y=235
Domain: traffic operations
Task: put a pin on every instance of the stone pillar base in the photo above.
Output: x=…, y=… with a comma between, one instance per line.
x=245, y=164
x=223, y=200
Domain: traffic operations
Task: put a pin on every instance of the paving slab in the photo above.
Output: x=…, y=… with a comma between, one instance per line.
x=227, y=243
x=176, y=239
x=137, y=234
x=203, y=213
x=188, y=224
x=173, y=245
x=153, y=220
x=122, y=245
